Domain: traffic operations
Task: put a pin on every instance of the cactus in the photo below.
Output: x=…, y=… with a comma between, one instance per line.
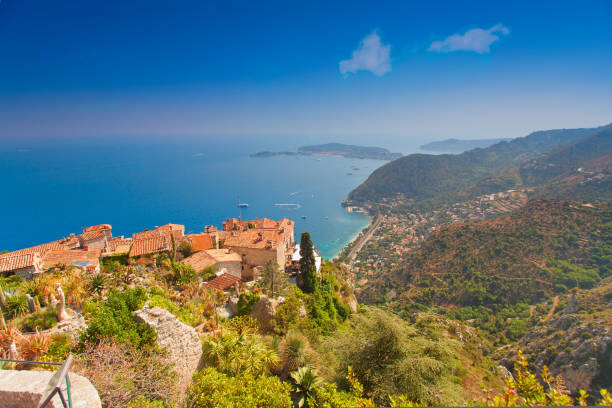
x=62, y=315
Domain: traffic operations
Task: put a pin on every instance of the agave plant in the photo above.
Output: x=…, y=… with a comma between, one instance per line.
x=97, y=284
x=17, y=305
x=35, y=345
x=292, y=352
x=305, y=380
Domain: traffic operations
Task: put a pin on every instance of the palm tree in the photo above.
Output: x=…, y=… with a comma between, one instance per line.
x=239, y=354
x=305, y=380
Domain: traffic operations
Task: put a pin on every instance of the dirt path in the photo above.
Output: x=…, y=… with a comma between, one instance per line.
x=551, y=312
x=362, y=241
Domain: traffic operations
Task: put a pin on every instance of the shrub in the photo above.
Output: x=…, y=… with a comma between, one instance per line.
x=208, y=273
x=212, y=389
x=40, y=320
x=114, y=319
x=17, y=305
x=246, y=302
x=185, y=248
x=127, y=376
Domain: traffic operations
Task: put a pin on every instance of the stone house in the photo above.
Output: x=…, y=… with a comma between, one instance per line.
x=87, y=260
x=95, y=237
x=25, y=265
x=259, y=241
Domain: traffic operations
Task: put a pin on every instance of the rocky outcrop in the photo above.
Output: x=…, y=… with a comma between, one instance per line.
x=24, y=389
x=180, y=340
x=264, y=311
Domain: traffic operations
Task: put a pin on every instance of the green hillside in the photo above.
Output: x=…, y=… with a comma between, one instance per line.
x=544, y=248
x=430, y=180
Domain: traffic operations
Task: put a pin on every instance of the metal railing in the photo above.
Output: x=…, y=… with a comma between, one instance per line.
x=54, y=384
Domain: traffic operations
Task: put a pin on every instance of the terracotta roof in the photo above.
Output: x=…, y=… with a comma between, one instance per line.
x=10, y=262
x=98, y=227
x=204, y=259
x=199, y=261
x=255, y=238
x=169, y=229
x=172, y=227
x=69, y=257
x=201, y=242
x=150, y=246
x=41, y=249
x=224, y=255
x=223, y=281
x=92, y=235
x=118, y=245
x=70, y=242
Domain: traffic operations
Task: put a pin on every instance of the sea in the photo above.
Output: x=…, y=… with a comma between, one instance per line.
x=51, y=188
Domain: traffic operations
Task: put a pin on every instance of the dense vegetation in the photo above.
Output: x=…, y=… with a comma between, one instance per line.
x=543, y=249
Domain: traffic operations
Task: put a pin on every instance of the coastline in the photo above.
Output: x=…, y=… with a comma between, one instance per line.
x=356, y=235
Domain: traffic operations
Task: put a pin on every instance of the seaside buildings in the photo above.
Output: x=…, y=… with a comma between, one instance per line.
x=239, y=250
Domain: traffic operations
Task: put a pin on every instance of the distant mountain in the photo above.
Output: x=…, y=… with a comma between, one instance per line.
x=460, y=146
x=429, y=180
x=337, y=149
x=542, y=249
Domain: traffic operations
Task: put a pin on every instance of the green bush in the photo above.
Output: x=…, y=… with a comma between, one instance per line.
x=212, y=389
x=182, y=313
x=246, y=302
x=40, y=320
x=114, y=319
x=208, y=273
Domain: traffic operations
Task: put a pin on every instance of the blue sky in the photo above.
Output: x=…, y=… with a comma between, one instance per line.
x=326, y=70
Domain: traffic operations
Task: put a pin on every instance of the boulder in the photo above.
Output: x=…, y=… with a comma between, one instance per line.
x=180, y=340
x=264, y=311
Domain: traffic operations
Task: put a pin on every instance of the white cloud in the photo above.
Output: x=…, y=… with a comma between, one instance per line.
x=477, y=39
x=371, y=56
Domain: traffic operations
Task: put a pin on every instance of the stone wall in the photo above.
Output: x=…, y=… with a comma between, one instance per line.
x=24, y=389
x=233, y=268
x=180, y=340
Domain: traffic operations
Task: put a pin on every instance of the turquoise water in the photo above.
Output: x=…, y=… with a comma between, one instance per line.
x=53, y=189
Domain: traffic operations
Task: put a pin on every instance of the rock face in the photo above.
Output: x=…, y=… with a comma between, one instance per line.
x=180, y=340
x=24, y=389
x=576, y=343
x=264, y=311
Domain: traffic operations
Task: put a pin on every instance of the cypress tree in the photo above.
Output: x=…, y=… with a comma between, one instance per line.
x=308, y=268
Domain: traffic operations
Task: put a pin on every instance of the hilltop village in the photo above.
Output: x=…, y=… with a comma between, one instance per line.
x=238, y=251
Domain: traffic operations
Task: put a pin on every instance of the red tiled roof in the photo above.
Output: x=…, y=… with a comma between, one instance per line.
x=91, y=235
x=150, y=246
x=119, y=244
x=201, y=242
x=41, y=249
x=68, y=257
x=223, y=281
x=255, y=238
x=98, y=227
x=199, y=261
x=12, y=261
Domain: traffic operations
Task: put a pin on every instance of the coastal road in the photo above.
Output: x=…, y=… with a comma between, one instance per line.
x=362, y=241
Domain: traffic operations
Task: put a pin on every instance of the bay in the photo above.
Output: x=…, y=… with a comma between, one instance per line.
x=53, y=188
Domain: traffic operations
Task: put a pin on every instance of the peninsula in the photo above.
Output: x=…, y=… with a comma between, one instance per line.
x=336, y=149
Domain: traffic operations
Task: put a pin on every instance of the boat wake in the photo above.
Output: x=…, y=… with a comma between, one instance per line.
x=288, y=206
